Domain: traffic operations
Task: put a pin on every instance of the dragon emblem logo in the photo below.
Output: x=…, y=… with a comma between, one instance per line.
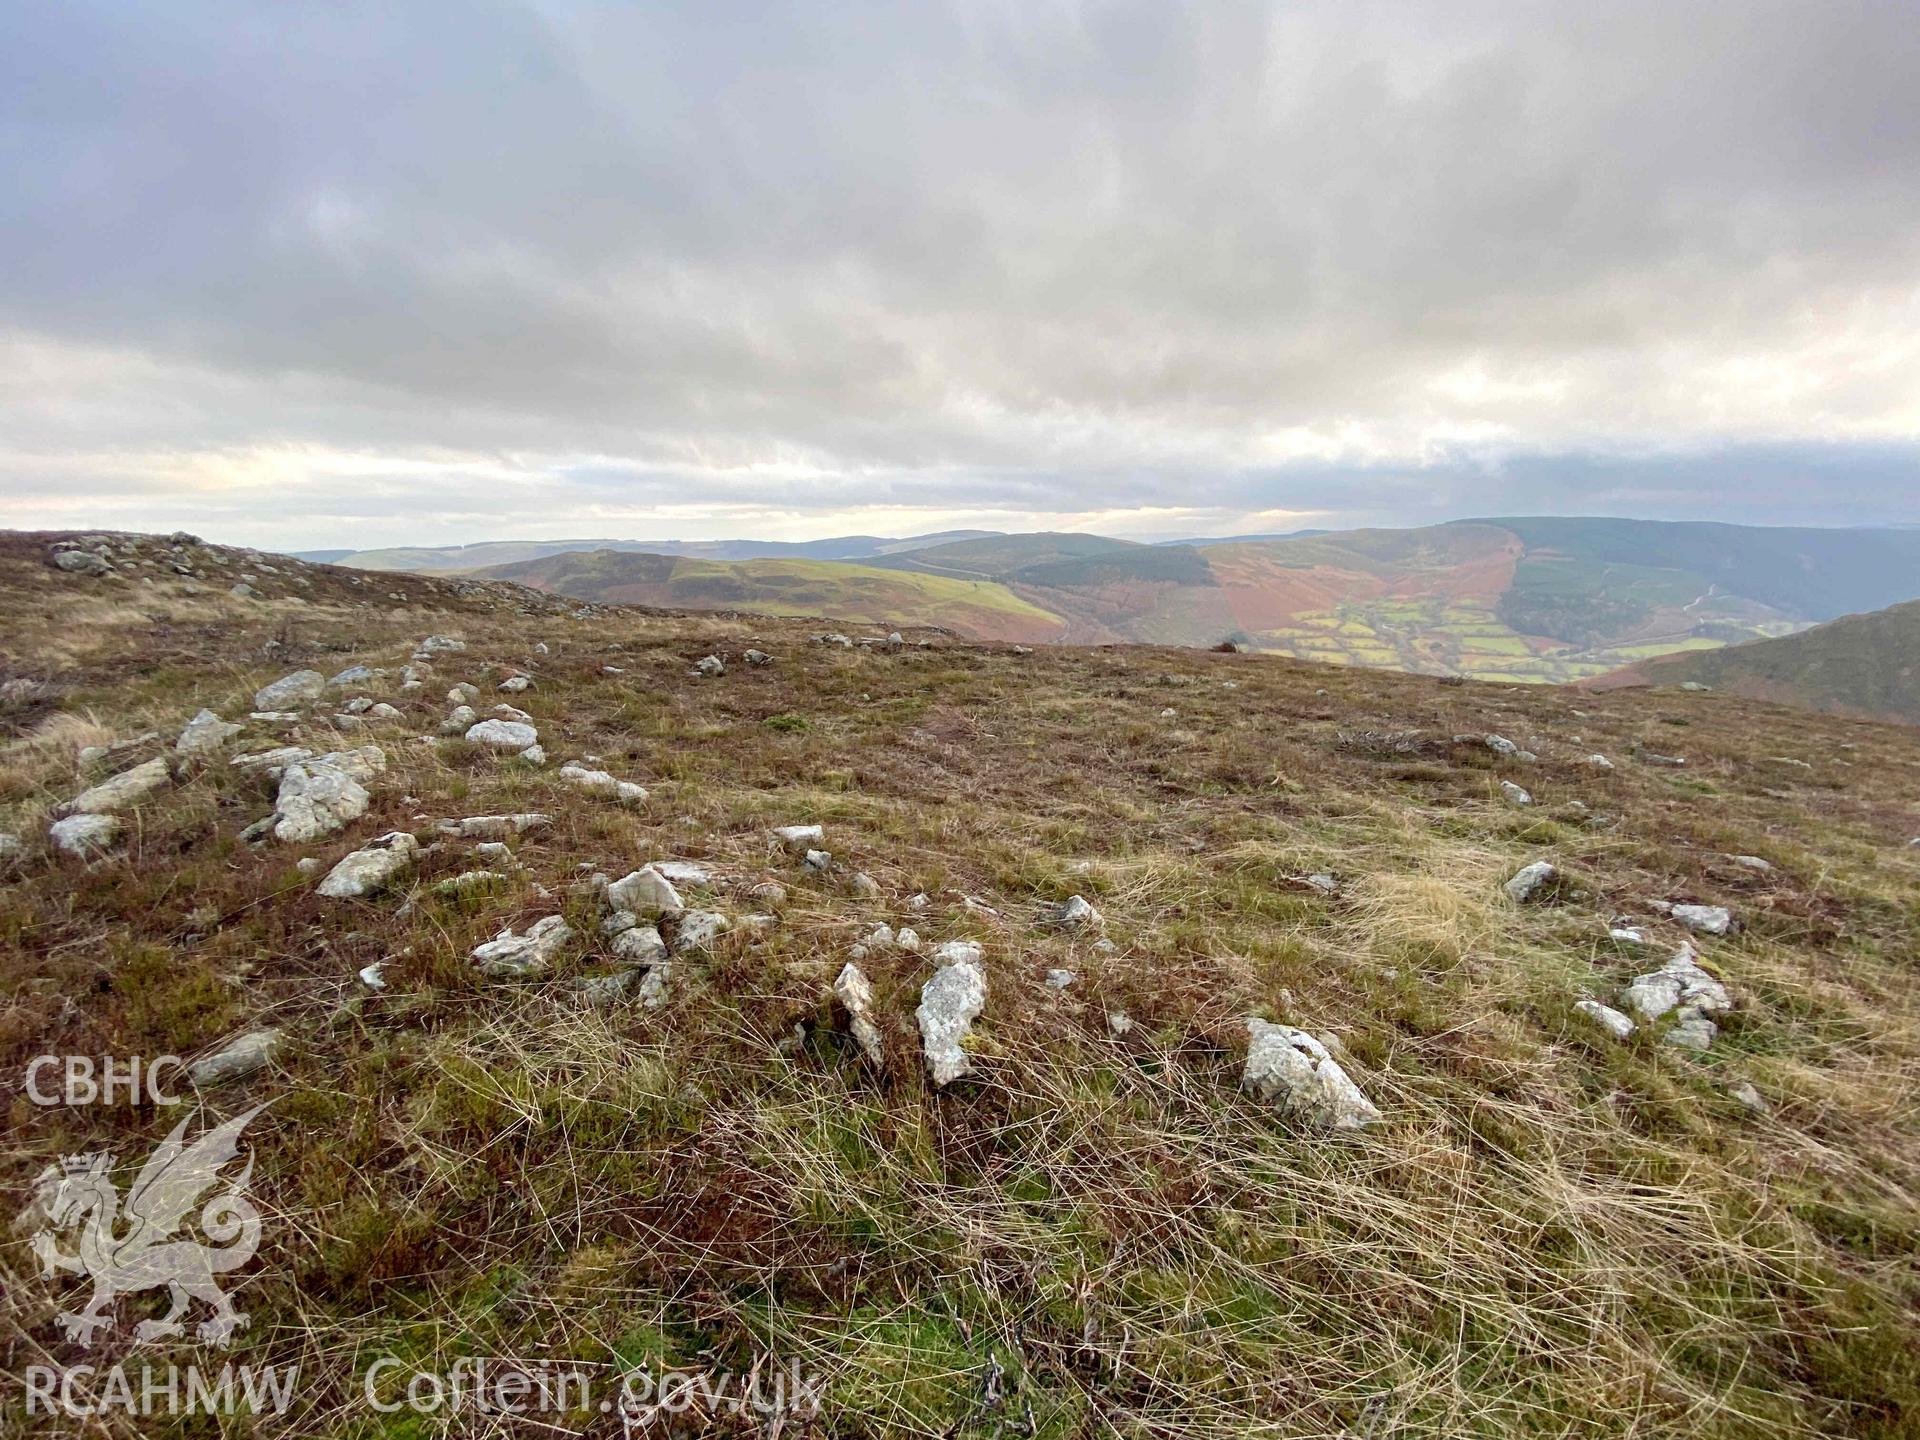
x=125, y=1250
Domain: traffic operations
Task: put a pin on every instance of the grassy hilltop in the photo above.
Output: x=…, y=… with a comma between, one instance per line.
x=1097, y=1232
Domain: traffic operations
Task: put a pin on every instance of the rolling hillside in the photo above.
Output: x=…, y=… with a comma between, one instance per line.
x=1860, y=665
x=978, y=609
x=448, y=559
x=1505, y=599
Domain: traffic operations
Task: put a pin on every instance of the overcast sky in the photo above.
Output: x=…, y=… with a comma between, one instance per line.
x=331, y=274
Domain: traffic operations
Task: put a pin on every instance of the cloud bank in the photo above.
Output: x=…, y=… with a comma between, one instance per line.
x=352, y=274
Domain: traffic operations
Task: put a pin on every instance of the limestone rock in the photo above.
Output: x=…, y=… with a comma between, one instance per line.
x=515, y=684
x=1681, y=988
x=123, y=792
x=645, y=892
x=758, y=658
x=1074, y=914
x=463, y=694
x=1516, y=794
x=1606, y=1017
x=291, y=692
x=1704, y=919
x=468, y=881
x=949, y=1004
x=798, y=839
x=460, y=719
x=495, y=827
x=697, y=930
x=640, y=945
x=1294, y=1070
x=710, y=667
x=503, y=735
x=205, y=731
x=516, y=957
x=241, y=1056
x=855, y=995
x=84, y=834
x=1060, y=979
x=958, y=952
x=1528, y=882
x=600, y=782
x=371, y=869
x=316, y=799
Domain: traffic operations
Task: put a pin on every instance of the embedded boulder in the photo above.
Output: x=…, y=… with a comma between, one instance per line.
x=369, y=870
x=1296, y=1072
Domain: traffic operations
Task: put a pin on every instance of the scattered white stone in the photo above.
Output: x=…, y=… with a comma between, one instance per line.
x=205, y=731
x=241, y=1056
x=515, y=684
x=1516, y=794
x=798, y=839
x=371, y=869
x=653, y=985
x=380, y=710
x=908, y=939
x=1606, y=1017
x=515, y=957
x=495, y=827
x=856, y=998
x=1322, y=882
x=1675, y=762
x=640, y=945
x=1076, y=913
x=1753, y=863
x=1689, y=993
x=461, y=719
x=1704, y=919
x=274, y=717
x=688, y=872
x=503, y=735
x=1529, y=880
x=817, y=860
x=864, y=884
x=1750, y=1098
x=645, y=892
x=359, y=705
x=11, y=848
x=1627, y=935
x=1599, y=762
x=1060, y=979
x=315, y=800
x=949, y=1004
x=509, y=712
x=710, y=667
x=469, y=880
x=958, y=952
x=355, y=675
x=532, y=755
x=1294, y=1070
x=758, y=657
x=124, y=791
x=291, y=692
x=697, y=930
x=1119, y=1022
x=374, y=977
x=769, y=892
x=438, y=645
x=600, y=782
x=85, y=834
x=463, y=694
x=494, y=850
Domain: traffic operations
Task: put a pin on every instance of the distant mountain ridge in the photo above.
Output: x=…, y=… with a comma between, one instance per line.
x=1866, y=666
x=1513, y=598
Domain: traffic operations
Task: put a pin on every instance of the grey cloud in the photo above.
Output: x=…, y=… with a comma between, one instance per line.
x=1049, y=258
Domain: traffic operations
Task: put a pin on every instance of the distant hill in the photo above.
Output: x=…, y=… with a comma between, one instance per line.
x=1861, y=665
x=447, y=559
x=982, y=609
x=1517, y=598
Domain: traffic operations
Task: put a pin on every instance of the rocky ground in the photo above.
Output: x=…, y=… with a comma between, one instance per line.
x=1118, y=1041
